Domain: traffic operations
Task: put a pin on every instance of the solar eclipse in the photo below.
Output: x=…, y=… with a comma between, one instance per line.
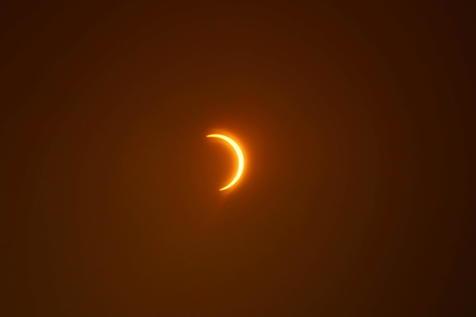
x=240, y=158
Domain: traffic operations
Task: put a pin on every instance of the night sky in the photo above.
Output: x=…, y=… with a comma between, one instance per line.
x=358, y=198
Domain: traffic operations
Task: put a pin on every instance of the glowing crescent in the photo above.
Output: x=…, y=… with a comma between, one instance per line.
x=239, y=156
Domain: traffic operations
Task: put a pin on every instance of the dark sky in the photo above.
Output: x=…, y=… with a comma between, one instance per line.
x=356, y=119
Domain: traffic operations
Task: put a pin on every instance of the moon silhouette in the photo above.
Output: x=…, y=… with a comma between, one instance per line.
x=239, y=157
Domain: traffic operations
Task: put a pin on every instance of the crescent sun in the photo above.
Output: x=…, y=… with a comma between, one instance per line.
x=239, y=157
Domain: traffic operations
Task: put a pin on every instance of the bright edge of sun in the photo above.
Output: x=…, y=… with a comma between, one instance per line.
x=239, y=156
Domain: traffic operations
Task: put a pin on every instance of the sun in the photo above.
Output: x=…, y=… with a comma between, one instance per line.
x=240, y=157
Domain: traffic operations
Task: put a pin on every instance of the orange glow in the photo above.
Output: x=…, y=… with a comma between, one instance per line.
x=239, y=157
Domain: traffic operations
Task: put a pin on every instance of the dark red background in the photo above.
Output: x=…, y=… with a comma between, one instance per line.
x=356, y=121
